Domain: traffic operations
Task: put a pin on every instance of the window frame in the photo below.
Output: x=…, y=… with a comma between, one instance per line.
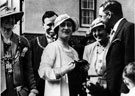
x=92, y=9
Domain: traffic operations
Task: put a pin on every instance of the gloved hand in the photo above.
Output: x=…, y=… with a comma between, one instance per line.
x=32, y=94
x=96, y=89
x=64, y=69
x=67, y=68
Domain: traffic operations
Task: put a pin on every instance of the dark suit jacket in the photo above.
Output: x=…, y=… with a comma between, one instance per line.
x=37, y=46
x=120, y=53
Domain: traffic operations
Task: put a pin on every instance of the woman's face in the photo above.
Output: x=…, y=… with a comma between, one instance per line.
x=8, y=22
x=65, y=29
x=7, y=25
x=99, y=33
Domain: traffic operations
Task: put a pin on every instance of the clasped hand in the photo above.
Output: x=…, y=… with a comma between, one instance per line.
x=68, y=67
x=32, y=94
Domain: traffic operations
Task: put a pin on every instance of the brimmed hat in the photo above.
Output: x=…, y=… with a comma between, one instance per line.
x=96, y=23
x=5, y=12
x=61, y=18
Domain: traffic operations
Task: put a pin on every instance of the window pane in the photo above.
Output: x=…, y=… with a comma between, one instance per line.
x=87, y=12
x=91, y=16
x=87, y=16
x=90, y=4
x=84, y=3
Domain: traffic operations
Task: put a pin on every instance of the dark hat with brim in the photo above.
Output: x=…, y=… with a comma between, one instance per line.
x=6, y=14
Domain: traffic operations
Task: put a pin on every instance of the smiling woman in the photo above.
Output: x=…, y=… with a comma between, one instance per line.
x=58, y=60
x=95, y=54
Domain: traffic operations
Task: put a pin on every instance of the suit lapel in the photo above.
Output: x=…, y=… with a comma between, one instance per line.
x=119, y=28
x=43, y=40
x=117, y=32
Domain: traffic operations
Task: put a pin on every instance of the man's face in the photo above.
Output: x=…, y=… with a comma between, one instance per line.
x=48, y=25
x=104, y=17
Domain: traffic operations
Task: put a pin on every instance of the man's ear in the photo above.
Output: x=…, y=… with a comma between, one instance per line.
x=109, y=14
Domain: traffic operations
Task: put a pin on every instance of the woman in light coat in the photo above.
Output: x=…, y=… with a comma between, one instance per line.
x=58, y=58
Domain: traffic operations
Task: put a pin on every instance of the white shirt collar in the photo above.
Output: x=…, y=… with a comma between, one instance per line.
x=117, y=24
x=132, y=90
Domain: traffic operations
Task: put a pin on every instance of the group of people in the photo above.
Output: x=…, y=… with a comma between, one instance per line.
x=49, y=66
x=112, y=51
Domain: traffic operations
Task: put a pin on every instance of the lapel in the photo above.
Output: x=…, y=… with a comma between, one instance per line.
x=115, y=38
x=2, y=68
x=14, y=39
x=43, y=41
x=118, y=29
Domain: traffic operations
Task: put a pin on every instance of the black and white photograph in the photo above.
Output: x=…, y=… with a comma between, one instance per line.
x=67, y=48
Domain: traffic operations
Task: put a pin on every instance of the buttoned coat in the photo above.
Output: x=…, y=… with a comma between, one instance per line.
x=120, y=53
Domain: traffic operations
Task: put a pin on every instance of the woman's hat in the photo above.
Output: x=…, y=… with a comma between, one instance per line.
x=96, y=23
x=61, y=18
x=6, y=12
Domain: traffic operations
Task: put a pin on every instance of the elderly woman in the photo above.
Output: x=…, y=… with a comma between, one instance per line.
x=58, y=58
x=95, y=54
x=17, y=78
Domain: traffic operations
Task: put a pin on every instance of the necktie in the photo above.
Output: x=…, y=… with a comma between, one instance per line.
x=112, y=35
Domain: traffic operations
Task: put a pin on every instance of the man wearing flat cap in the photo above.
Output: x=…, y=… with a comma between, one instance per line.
x=17, y=78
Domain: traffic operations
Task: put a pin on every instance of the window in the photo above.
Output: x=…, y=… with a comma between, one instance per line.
x=87, y=12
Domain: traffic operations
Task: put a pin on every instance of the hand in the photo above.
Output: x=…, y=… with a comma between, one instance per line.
x=68, y=67
x=32, y=94
x=96, y=89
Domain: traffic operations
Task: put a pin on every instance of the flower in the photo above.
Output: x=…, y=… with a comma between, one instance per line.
x=25, y=49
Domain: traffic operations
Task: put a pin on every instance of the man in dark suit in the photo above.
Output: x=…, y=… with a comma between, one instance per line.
x=39, y=43
x=121, y=50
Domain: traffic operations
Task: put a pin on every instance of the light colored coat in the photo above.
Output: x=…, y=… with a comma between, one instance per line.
x=53, y=57
x=91, y=55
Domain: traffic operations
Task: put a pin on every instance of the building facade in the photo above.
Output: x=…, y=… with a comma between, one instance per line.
x=85, y=11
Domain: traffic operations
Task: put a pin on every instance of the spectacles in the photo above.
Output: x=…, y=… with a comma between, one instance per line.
x=68, y=24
